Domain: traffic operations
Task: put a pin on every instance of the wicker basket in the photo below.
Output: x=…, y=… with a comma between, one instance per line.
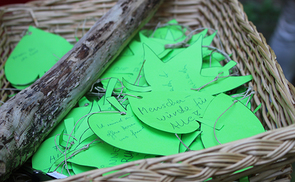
x=270, y=154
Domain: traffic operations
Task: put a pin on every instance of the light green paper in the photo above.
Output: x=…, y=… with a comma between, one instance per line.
x=206, y=42
x=104, y=155
x=159, y=49
x=128, y=133
x=239, y=122
x=178, y=73
x=57, y=130
x=84, y=102
x=84, y=158
x=188, y=139
x=69, y=126
x=81, y=169
x=244, y=179
x=216, y=58
x=136, y=88
x=183, y=72
x=176, y=51
x=79, y=118
x=103, y=103
x=126, y=64
x=45, y=158
x=35, y=54
x=224, y=84
x=197, y=144
x=173, y=112
x=116, y=104
x=170, y=32
x=214, y=71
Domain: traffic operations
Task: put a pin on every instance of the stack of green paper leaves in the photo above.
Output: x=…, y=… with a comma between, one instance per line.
x=154, y=101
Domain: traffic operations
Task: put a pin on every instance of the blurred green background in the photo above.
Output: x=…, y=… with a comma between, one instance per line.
x=264, y=14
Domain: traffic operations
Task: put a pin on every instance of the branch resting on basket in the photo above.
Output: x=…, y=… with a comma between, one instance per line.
x=28, y=117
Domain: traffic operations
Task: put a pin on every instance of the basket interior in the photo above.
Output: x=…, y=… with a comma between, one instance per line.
x=72, y=18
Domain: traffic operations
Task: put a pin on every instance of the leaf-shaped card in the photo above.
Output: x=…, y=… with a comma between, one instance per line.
x=206, y=42
x=102, y=155
x=183, y=72
x=171, y=32
x=237, y=120
x=158, y=48
x=127, y=132
x=173, y=112
x=177, y=74
x=35, y=54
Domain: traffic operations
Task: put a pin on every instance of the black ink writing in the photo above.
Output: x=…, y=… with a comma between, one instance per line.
x=199, y=102
x=178, y=111
x=128, y=155
x=116, y=122
x=181, y=123
x=113, y=134
x=169, y=103
x=100, y=126
x=135, y=133
x=165, y=75
x=184, y=70
x=114, y=156
x=125, y=137
x=169, y=84
x=128, y=126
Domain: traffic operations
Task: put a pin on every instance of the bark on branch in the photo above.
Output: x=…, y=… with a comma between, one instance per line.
x=28, y=117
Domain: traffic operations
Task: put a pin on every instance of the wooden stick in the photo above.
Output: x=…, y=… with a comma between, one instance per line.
x=28, y=117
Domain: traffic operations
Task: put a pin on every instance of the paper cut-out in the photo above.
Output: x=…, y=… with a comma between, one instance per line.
x=173, y=112
x=84, y=146
x=127, y=132
x=171, y=32
x=35, y=54
x=239, y=122
x=175, y=74
x=104, y=155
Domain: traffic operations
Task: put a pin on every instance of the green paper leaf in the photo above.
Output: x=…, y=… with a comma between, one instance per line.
x=170, y=32
x=69, y=126
x=126, y=52
x=35, y=54
x=214, y=71
x=173, y=112
x=81, y=169
x=159, y=49
x=102, y=155
x=239, y=122
x=177, y=74
x=224, y=84
x=176, y=51
x=128, y=133
x=125, y=64
x=258, y=107
x=45, y=158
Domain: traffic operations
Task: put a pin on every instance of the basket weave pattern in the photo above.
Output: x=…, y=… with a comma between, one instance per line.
x=269, y=153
